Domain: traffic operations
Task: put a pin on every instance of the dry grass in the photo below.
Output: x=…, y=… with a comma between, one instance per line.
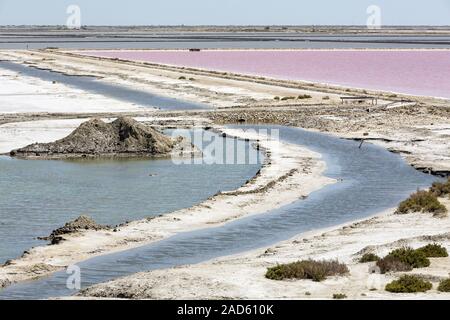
x=307, y=269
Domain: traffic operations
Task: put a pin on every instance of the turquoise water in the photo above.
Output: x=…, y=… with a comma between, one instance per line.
x=38, y=196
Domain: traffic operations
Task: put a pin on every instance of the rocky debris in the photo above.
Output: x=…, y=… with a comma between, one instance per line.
x=122, y=137
x=79, y=224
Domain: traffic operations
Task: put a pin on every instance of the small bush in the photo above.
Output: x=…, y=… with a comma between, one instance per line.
x=392, y=264
x=444, y=285
x=304, y=96
x=287, y=98
x=433, y=251
x=369, y=257
x=440, y=189
x=307, y=269
x=339, y=296
x=326, y=98
x=408, y=284
x=415, y=259
x=182, y=78
x=276, y=98
x=421, y=201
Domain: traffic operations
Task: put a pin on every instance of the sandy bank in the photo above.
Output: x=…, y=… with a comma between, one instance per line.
x=242, y=276
x=290, y=173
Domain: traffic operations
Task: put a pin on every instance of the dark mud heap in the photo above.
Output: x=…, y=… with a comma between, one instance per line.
x=95, y=138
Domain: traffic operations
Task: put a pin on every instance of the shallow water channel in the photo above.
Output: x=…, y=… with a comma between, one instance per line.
x=94, y=85
x=370, y=179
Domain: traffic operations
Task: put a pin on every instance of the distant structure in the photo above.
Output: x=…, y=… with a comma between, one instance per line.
x=194, y=50
x=374, y=100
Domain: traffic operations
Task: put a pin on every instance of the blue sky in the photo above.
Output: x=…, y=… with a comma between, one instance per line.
x=215, y=12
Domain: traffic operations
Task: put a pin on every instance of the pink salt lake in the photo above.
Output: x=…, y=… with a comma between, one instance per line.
x=415, y=72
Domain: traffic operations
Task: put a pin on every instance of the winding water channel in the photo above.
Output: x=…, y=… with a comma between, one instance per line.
x=370, y=179
x=95, y=85
x=39, y=196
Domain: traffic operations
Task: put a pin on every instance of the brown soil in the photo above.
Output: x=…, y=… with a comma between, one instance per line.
x=124, y=136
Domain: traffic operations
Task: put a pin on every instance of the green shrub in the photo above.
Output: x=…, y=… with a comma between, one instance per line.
x=433, y=251
x=369, y=257
x=440, y=189
x=408, y=284
x=276, y=98
x=421, y=201
x=339, y=296
x=182, y=78
x=444, y=285
x=306, y=269
x=392, y=264
x=415, y=259
x=304, y=96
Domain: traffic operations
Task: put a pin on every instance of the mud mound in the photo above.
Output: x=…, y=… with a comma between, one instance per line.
x=123, y=137
x=79, y=224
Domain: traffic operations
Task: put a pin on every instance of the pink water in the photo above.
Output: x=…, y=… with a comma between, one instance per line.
x=416, y=72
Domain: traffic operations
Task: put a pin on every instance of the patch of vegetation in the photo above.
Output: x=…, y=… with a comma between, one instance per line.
x=444, y=285
x=307, y=269
x=304, y=96
x=440, y=189
x=276, y=98
x=422, y=201
x=182, y=78
x=433, y=251
x=287, y=98
x=191, y=79
x=339, y=296
x=392, y=264
x=414, y=258
x=369, y=257
x=408, y=284
x=326, y=98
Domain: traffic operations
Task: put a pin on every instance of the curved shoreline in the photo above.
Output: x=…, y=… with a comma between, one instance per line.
x=200, y=209
x=290, y=173
x=241, y=276
x=262, y=79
